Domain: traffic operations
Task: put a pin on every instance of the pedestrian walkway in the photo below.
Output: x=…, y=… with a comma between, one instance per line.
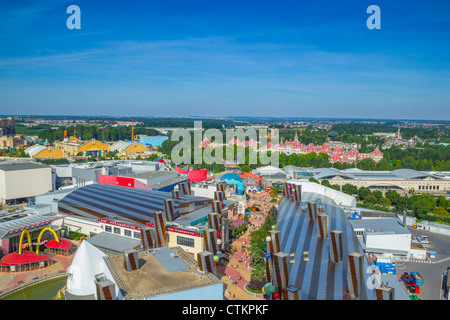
x=422, y=261
x=237, y=273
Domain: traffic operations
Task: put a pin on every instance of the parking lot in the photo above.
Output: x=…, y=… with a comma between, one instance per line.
x=432, y=269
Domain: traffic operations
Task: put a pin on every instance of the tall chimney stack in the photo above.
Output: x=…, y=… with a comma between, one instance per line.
x=146, y=238
x=275, y=240
x=281, y=275
x=175, y=194
x=213, y=221
x=312, y=210
x=219, y=196
x=168, y=209
x=106, y=290
x=322, y=224
x=130, y=260
x=355, y=278
x=160, y=229
x=205, y=261
x=336, y=246
x=210, y=240
x=217, y=206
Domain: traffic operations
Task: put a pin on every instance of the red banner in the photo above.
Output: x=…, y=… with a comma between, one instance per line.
x=119, y=224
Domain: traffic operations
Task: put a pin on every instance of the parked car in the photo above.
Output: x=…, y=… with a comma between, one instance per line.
x=413, y=288
x=424, y=239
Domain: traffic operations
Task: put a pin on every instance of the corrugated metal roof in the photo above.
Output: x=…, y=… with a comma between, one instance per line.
x=101, y=200
x=27, y=222
x=319, y=278
x=400, y=174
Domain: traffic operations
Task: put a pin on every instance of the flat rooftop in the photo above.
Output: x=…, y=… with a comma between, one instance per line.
x=113, y=242
x=380, y=226
x=161, y=271
x=149, y=174
x=21, y=166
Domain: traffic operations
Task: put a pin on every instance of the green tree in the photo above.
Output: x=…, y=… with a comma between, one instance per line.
x=312, y=179
x=378, y=194
x=349, y=189
x=408, y=163
x=385, y=202
x=370, y=198
x=393, y=196
x=439, y=211
x=326, y=183
x=367, y=164
x=274, y=193
x=382, y=164
x=423, y=204
x=335, y=187
x=363, y=192
x=443, y=202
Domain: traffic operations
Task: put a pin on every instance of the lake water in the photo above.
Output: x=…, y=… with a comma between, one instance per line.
x=41, y=291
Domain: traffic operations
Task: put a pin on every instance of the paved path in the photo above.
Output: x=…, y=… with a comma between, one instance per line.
x=237, y=269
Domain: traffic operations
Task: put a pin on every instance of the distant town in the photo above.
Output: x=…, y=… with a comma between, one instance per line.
x=89, y=205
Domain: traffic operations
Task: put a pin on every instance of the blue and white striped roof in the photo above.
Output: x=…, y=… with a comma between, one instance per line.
x=319, y=278
x=108, y=201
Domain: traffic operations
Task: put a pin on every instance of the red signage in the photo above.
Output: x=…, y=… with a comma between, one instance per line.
x=183, y=231
x=119, y=224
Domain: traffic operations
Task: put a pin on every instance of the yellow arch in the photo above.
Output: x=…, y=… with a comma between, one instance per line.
x=40, y=235
x=21, y=239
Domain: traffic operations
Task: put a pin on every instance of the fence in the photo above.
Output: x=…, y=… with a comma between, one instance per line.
x=25, y=284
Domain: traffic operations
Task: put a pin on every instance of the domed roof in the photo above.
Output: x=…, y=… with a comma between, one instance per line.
x=234, y=178
x=230, y=176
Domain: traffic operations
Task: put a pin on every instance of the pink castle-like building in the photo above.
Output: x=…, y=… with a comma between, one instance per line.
x=296, y=147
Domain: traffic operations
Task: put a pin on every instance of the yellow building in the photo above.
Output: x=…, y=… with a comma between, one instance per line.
x=69, y=146
x=127, y=150
x=41, y=152
x=94, y=148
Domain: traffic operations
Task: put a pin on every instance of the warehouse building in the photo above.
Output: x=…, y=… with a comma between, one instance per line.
x=123, y=212
x=23, y=181
x=401, y=180
x=314, y=253
x=383, y=237
x=86, y=173
x=41, y=152
x=102, y=201
x=270, y=173
x=158, y=180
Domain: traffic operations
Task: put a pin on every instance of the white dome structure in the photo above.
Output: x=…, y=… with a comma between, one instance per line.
x=87, y=263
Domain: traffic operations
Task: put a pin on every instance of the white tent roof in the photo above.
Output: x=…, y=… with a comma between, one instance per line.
x=120, y=146
x=341, y=199
x=87, y=262
x=33, y=150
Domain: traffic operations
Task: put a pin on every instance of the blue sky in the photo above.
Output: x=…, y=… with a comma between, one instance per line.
x=226, y=58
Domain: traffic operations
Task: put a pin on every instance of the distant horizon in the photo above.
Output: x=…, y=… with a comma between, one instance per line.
x=222, y=117
x=285, y=58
